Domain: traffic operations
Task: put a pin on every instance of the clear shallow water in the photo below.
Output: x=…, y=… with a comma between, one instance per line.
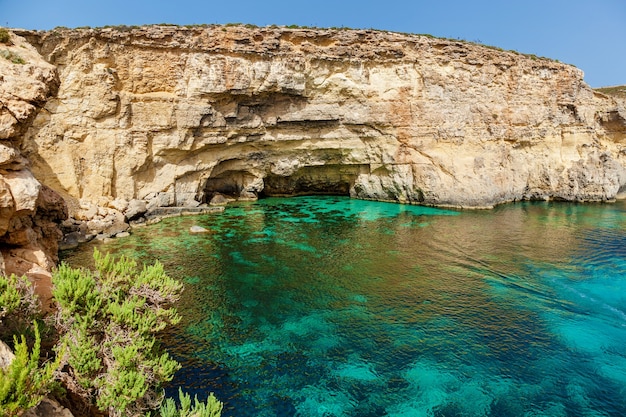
x=325, y=306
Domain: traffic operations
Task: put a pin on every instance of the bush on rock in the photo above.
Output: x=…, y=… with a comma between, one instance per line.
x=107, y=352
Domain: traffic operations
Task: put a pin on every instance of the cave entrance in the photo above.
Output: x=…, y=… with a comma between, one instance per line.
x=230, y=183
x=313, y=180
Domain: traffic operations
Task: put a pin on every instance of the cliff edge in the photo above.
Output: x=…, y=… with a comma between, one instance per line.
x=173, y=116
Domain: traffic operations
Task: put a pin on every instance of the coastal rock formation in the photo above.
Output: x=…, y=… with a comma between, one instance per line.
x=29, y=211
x=176, y=116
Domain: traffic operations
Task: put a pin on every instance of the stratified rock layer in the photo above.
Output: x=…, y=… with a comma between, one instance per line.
x=29, y=211
x=175, y=116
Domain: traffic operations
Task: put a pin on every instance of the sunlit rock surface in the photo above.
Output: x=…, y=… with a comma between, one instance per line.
x=173, y=116
x=29, y=211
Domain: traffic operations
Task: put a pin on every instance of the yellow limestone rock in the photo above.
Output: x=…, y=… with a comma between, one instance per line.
x=174, y=116
x=29, y=211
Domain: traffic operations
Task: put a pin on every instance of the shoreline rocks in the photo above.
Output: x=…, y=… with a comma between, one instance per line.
x=77, y=231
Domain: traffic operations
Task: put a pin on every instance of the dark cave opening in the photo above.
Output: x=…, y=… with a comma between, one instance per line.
x=332, y=179
x=312, y=180
x=230, y=183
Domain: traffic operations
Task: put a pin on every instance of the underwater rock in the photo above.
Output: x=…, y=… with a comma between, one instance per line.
x=198, y=229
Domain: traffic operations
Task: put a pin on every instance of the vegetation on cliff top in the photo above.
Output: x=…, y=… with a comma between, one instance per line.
x=126, y=28
x=616, y=91
x=12, y=56
x=107, y=353
x=5, y=37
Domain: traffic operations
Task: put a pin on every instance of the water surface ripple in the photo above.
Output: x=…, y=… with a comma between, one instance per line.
x=326, y=306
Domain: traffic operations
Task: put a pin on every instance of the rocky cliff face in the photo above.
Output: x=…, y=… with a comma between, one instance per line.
x=29, y=211
x=174, y=116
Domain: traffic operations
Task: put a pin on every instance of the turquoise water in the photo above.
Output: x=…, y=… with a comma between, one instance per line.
x=326, y=306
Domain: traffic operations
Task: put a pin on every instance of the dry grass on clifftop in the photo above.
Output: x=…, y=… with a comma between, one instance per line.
x=616, y=91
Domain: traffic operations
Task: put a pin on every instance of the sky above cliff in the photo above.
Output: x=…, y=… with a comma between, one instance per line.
x=588, y=34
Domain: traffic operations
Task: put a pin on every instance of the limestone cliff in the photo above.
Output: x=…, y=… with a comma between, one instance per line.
x=173, y=116
x=29, y=211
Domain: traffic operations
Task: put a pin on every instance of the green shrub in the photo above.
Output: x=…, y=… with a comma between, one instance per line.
x=19, y=306
x=13, y=57
x=106, y=322
x=5, y=37
x=24, y=383
x=16, y=294
x=10, y=296
x=212, y=407
x=109, y=318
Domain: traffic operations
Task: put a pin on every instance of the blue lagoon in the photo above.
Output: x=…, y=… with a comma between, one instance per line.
x=327, y=306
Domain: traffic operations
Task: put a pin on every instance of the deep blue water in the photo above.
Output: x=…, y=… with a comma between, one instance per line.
x=326, y=306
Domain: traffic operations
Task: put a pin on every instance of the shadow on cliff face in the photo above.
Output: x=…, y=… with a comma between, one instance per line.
x=614, y=123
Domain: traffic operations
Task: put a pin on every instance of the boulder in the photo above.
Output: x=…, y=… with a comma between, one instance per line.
x=88, y=211
x=220, y=200
x=135, y=209
x=24, y=189
x=119, y=204
x=198, y=229
x=6, y=355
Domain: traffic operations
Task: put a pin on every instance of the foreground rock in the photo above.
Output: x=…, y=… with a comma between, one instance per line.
x=6, y=355
x=29, y=211
x=48, y=407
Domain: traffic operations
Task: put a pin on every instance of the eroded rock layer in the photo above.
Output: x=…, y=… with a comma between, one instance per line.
x=29, y=211
x=171, y=116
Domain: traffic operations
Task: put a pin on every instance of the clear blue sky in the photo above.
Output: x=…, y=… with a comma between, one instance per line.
x=590, y=34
